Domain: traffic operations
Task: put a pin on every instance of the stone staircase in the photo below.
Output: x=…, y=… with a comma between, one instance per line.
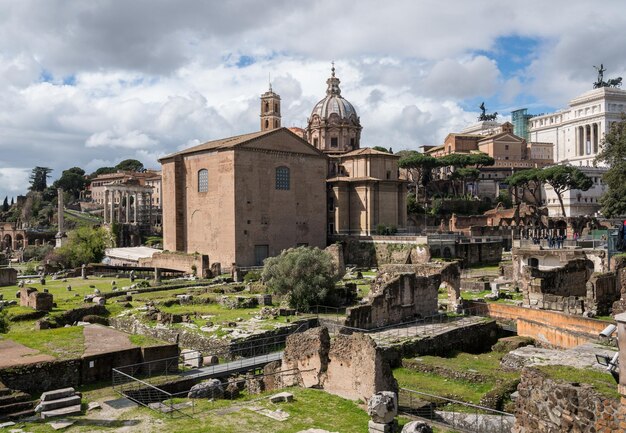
x=59, y=402
x=15, y=404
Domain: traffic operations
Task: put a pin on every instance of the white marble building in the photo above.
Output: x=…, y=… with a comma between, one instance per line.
x=578, y=130
x=577, y=133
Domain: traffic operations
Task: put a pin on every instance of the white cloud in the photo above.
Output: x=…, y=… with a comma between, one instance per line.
x=13, y=180
x=148, y=77
x=129, y=140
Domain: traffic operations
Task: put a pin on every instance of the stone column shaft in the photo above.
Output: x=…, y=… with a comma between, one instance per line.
x=135, y=204
x=127, y=196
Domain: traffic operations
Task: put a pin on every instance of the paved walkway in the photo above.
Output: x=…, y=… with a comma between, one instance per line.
x=421, y=330
x=238, y=366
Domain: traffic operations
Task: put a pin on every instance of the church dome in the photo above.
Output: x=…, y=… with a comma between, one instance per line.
x=334, y=125
x=334, y=103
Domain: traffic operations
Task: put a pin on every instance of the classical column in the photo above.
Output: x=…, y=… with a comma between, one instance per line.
x=106, y=203
x=135, y=204
x=581, y=143
x=112, y=207
x=593, y=137
x=127, y=196
x=150, y=209
x=119, y=206
x=576, y=140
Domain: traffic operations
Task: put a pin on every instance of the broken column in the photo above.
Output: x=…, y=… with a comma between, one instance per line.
x=382, y=408
x=60, y=237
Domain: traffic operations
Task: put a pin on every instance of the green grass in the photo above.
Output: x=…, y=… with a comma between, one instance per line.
x=431, y=384
x=310, y=409
x=62, y=343
x=485, y=364
x=601, y=381
x=144, y=340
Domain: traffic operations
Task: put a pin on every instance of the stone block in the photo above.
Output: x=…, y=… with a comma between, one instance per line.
x=376, y=427
x=57, y=394
x=192, y=358
x=286, y=397
x=212, y=388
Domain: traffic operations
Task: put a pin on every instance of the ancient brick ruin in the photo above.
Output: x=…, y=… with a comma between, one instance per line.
x=40, y=301
x=573, y=288
x=350, y=366
x=546, y=405
x=8, y=277
x=402, y=293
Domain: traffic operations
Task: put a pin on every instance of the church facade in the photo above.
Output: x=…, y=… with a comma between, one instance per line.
x=245, y=198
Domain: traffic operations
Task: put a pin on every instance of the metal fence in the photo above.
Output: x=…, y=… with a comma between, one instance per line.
x=567, y=243
x=179, y=404
x=454, y=414
x=422, y=327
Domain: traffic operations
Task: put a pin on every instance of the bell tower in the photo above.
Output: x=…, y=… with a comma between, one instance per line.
x=270, y=110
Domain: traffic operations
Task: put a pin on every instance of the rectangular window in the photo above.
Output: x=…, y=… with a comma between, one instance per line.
x=334, y=142
x=282, y=178
x=203, y=180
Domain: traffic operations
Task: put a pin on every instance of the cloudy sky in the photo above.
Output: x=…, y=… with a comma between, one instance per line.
x=94, y=82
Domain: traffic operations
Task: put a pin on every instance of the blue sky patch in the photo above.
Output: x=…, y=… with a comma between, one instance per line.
x=245, y=61
x=46, y=76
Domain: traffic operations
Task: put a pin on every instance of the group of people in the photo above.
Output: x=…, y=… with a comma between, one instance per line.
x=552, y=241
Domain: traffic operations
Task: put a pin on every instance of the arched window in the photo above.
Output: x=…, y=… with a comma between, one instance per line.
x=267, y=123
x=282, y=178
x=267, y=107
x=203, y=180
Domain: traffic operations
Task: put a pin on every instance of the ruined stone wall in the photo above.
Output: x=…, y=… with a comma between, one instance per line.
x=618, y=263
x=480, y=253
x=398, y=299
x=40, y=301
x=602, y=292
x=336, y=252
x=356, y=368
x=559, y=289
x=247, y=346
x=548, y=406
x=549, y=327
x=8, y=277
x=376, y=252
x=475, y=338
x=180, y=262
x=351, y=366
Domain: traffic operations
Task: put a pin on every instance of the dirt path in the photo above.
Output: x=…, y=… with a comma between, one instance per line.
x=12, y=354
x=100, y=339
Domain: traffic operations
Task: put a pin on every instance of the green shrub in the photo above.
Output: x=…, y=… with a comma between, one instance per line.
x=383, y=229
x=305, y=275
x=36, y=252
x=251, y=276
x=4, y=322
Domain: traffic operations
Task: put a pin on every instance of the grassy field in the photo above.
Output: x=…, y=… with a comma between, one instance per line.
x=310, y=409
x=62, y=343
x=599, y=380
x=486, y=364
